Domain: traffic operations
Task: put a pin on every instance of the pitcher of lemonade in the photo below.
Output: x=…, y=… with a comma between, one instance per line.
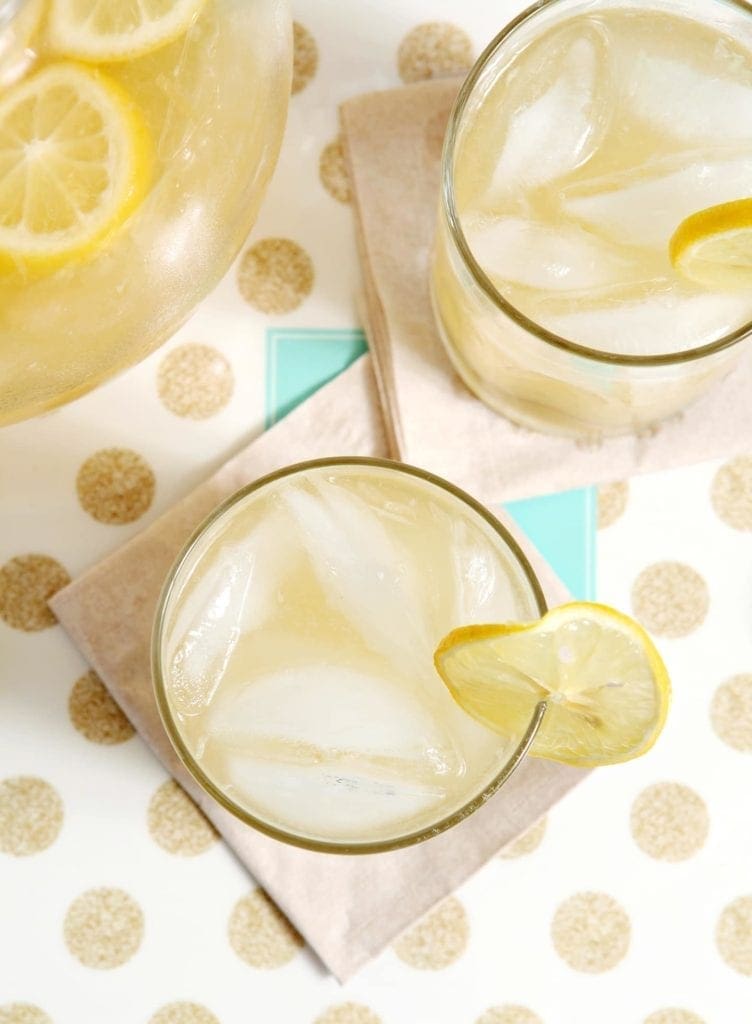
x=136, y=140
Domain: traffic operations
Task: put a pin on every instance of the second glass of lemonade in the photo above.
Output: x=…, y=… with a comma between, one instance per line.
x=293, y=653
x=585, y=135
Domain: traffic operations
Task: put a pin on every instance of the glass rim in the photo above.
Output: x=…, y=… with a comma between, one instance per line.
x=187, y=758
x=476, y=271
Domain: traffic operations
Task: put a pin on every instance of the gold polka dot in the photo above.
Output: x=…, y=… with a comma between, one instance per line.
x=305, y=57
x=673, y=1016
x=26, y=585
x=731, y=493
x=669, y=821
x=433, y=50
x=348, y=1013
x=670, y=599
x=528, y=842
x=591, y=932
x=275, y=275
x=731, y=712
x=31, y=815
x=333, y=171
x=22, y=1013
x=177, y=824
x=612, y=500
x=733, y=935
x=260, y=934
x=95, y=714
x=509, y=1015
x=436, y=941
x=195, y=381
x=115, y=486
x=103, y=928
x=183, y=1013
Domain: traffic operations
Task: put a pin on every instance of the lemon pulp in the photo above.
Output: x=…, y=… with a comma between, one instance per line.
x=74, y=163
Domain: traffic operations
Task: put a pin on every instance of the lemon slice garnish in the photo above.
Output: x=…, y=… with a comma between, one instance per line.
x=111, y=30
x=714, y=247
x=75, y=161
x=604, y=685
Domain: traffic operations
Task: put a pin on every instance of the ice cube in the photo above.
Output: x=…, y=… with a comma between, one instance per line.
x=551, y=135
x=685, y=102
x=336, y=710
x=235, y=596
x=644, y=208
x=328, y=802
x=671, y=321
x=562, y=258
x=332, y=749
x=363, y=571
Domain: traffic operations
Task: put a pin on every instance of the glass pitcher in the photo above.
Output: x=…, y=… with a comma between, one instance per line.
x=136, y=141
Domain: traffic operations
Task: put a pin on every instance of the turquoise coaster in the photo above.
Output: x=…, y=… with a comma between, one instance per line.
x=562, y=526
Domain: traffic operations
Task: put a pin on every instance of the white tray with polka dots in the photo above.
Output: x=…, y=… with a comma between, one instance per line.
x=631, y=904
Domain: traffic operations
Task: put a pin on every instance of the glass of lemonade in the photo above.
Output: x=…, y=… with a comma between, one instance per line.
x=584, y=136
x=293, y=653
x=136, y=141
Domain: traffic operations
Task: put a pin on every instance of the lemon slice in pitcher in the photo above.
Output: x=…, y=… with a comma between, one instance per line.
x=111, y=30
x=74, y=163
x=714, y=247
x=604, y=684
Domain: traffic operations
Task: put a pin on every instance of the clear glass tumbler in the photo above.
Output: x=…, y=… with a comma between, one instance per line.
x=560, y=313
x=292, y=654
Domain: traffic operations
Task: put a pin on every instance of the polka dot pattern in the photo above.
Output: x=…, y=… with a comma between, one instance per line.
x=103, y=928
x=731, y=713
x=669, y=821
x=591, y=932
x=183, y=1013
x=734, y=935
x=260, y=934
x=333, y=171
x=509, y=1015
x=176, y=824
x=670, y=599
x=31, y=815
x=27, y=583
x=115, y=486
x=612, y=502
x=434, y=50
x=673, y=1016
x=275, y=275
x=199, y=398
x=436, y=941
x=23, y=1013
x=95, y=714
x=195, y=381
x=731, y=493
x=348, y=1013
x=305, y=57
x=527, y=843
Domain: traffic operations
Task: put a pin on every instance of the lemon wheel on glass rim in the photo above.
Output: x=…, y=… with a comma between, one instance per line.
x=605, y=688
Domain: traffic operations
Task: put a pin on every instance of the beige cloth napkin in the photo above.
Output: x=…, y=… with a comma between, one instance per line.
x=347, y=907
x=394, y=141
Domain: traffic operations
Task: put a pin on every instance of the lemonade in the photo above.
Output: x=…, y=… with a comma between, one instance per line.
x=584, y=138
x=135, y=144
x=293, y=653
